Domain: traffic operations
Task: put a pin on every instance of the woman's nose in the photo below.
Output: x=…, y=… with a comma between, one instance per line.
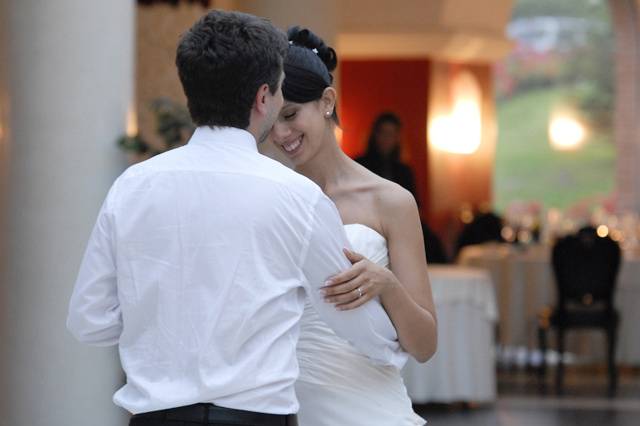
x=280, y=131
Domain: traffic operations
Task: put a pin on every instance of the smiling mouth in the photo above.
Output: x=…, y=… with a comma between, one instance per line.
x=293, y=145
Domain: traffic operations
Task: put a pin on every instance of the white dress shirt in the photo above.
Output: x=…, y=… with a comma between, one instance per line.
x=198, y=268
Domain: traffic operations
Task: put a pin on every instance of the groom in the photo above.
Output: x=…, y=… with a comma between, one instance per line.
x=200, y=259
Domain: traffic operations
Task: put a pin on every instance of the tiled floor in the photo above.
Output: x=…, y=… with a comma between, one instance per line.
x=584, y=403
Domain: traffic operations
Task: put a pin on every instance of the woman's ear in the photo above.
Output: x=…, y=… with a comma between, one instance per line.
x=328, y=100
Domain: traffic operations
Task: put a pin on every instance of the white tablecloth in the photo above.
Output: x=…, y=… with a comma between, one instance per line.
x=524, y=284
x=463, y=368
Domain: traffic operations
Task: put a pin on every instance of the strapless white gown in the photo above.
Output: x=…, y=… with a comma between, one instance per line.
x=338, y=386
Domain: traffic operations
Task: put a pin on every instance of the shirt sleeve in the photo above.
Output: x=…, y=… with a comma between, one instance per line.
x=94, y=310
x=367, y=328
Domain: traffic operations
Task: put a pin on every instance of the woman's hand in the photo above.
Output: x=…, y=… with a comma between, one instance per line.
x=357, y=285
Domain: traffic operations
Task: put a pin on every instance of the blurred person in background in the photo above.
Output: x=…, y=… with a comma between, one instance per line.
x=383, y=155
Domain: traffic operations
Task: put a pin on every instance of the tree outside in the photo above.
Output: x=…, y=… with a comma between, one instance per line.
x=563, y=61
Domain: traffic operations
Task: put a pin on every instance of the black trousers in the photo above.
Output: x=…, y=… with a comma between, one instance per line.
x=210, y=415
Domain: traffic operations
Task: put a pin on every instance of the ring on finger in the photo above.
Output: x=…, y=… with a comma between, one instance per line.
x=359, y=292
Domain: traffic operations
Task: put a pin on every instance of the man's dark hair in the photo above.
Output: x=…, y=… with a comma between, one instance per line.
x=222, y=62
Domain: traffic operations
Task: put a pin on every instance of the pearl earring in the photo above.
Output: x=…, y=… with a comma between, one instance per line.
x=327, y=114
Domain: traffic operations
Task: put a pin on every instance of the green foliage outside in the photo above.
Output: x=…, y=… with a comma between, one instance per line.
x=589, y=9
x=527, y=168
x=173, y=125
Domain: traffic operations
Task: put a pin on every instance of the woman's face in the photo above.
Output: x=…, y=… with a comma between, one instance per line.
x=387, y=138
x=299, y=130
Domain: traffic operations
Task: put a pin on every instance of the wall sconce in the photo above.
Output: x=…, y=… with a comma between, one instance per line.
x=566, y=133
x=132, y=121
x=3, y=116
x=459, y=131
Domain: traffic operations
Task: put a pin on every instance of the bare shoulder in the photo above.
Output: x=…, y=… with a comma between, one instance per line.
x=387, y=194
x=399, y=218
x=395, y=207
x=376, y=202
x=400, y=221
x=394, y=200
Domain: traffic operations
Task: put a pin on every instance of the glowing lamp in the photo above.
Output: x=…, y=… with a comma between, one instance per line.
x=566, y=133
x=603, y=231
x=459, y=131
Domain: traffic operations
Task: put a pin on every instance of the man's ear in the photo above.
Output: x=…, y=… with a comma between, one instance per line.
x=260, y=103
x=328, y=99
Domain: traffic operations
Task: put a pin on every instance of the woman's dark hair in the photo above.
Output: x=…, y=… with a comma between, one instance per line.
x=223, y=60
x=307, y=67
x=372, y=145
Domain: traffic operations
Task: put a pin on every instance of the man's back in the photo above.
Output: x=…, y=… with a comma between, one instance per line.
x=208, y=245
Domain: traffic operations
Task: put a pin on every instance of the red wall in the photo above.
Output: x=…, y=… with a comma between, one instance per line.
x=369, y=87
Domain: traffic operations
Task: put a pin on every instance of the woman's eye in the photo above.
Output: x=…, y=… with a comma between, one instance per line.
x=289, y=116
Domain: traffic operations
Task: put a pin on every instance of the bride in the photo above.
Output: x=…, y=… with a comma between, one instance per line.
x=337, y=386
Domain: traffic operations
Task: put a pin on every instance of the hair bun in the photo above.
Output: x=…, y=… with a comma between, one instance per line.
x=306, y=38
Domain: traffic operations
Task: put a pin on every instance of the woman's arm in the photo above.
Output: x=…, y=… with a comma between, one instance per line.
x=405, y=293
x=410, y=302
x=368, y=329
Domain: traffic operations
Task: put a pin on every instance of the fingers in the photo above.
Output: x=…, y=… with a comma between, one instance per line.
x=352, y=256
x=359, y=301
x=344, y=276
x=344, y=292
x=350, y=273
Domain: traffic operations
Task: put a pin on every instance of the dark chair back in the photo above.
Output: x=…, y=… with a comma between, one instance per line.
x=433, y=246
x=483, y=228
x=585, y=266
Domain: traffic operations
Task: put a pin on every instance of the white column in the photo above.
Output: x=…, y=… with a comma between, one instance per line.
x=70, y=76
x=626, y=22
x=4, y=131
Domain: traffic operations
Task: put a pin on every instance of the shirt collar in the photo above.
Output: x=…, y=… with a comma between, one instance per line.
x=223, y=137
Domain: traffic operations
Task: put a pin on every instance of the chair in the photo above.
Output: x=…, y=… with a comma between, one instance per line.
x=483, y=228
x=433, y=246
x=585, y=267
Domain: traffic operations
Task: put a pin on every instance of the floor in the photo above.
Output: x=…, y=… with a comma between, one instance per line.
x=583, y=403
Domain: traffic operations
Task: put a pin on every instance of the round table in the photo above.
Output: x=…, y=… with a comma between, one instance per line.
x=463, y=368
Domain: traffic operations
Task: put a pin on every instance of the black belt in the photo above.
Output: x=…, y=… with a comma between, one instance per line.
x=213, y=414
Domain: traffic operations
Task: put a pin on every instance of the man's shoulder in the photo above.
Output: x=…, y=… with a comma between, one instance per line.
x=294, y=182
x=153, y=164
x=263, y=171
x=141, y=175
